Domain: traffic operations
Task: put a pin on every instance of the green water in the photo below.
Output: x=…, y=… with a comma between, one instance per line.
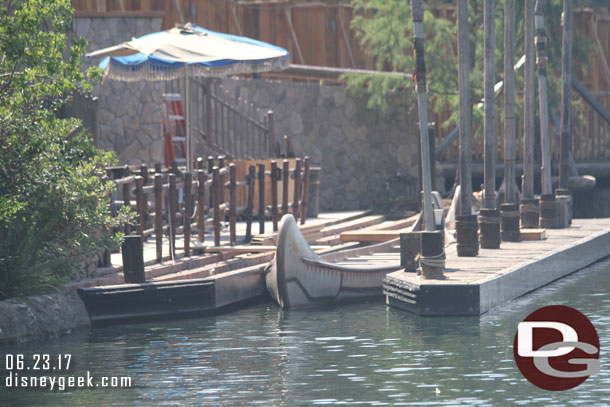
x=365, y=354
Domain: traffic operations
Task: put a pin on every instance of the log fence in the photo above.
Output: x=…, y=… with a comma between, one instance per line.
x=170, y=203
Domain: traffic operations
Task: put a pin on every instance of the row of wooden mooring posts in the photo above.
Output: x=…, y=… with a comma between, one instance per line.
x=169, y=202
x=504, y=224
x=487, y=229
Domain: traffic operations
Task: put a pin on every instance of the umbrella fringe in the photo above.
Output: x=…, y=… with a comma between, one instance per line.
x=153, y=72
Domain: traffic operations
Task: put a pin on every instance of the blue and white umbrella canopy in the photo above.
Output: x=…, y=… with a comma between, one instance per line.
x=189, y=50
x=163, y=55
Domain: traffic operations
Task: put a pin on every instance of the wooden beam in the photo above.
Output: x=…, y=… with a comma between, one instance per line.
x=533, y=234
x=371, y=235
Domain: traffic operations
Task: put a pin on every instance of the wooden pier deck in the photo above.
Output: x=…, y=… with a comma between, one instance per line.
x=475, y=285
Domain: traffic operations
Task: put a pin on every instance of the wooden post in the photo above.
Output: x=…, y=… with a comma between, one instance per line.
x=221, y=189
x=261, y=198
x=304, y=201
x=466, y=227
x=210, y=164
x=566, y=96
x=541, y=61
x=133, y=259
x=465, y=126
x=250, y=208
x=271, y=130
x=432, y=258
x=288, y=143
x=489, y=192
x=297, y=189
x=140, y=204
x=144, y=173
x=216, y=189
x=409, y=249
x=489, y=225
x=210, y=174
x=188, y=209
x=159, y=216
x=510, y=222
x=208, y=111
x=232, y=203
x=127, y=203
x=201, y=178
x=274, y=211
x=173, y=205
x=529, y=113
x=285, y=181
x=510, y=145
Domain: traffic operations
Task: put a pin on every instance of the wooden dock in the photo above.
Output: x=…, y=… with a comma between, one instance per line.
x=475, y=285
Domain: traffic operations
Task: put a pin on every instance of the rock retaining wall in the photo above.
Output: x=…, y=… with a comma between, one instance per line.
x=41, y=316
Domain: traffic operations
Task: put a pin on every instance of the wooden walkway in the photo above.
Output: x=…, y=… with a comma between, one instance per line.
x=474, y=285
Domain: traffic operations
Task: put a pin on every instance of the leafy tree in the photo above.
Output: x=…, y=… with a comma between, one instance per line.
x=54, y=205
x=384, y=29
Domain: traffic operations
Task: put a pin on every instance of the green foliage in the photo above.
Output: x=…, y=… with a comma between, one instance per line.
x=54, y=204
x=384, y=28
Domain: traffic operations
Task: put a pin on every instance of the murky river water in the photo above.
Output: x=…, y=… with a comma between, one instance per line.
x=365, y=354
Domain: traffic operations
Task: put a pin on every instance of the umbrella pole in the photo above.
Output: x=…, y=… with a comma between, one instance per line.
x=187, y=114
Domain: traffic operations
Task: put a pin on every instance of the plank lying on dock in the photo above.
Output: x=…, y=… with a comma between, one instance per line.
x=533, y=234
x=371, y=235
x=474, y=285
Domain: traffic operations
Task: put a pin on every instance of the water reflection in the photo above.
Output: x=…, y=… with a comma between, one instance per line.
x=358, y=354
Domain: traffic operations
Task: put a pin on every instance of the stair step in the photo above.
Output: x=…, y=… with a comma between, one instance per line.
x=177, y=139
x=176, y=117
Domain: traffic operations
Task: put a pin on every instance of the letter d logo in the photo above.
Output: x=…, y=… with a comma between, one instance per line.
x=556, y=348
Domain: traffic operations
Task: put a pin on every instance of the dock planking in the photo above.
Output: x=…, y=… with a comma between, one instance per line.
x=474, y=285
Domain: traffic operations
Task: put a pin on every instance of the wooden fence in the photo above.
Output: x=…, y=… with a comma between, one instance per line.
x=168, y=202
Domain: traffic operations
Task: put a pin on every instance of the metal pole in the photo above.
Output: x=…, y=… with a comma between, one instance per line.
x=464, y=132
x=420, y=66
x=529, y=89
x=489, y=197
x=509, y=102
x=566, y=82
x=541, y=61
x=187, y=118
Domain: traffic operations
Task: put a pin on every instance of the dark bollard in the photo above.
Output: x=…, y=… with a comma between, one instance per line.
x=510, y=222
x=409, y=249
x=467, y=235
x=548, y=211
x=564, y=206
x=133, y=259
x=432, y=259
x=529, y=213
x=489, y=224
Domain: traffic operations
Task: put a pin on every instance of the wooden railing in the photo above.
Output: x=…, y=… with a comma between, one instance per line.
x=169, y=202
x=224, y=125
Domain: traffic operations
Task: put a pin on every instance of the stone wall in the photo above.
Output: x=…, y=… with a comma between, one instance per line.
x=358, y=151
x=129, y=114
x=41, y=316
